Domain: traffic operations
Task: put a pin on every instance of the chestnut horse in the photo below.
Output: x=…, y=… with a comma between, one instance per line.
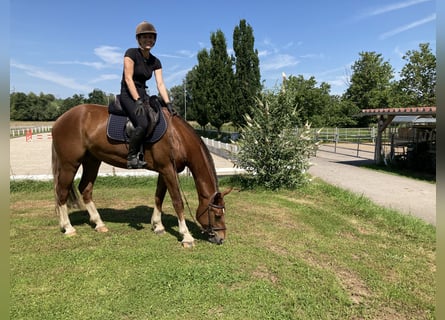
x=79, y=138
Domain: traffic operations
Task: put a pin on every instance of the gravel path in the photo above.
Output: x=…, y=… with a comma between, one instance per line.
x=403, y=194
x=32, y=160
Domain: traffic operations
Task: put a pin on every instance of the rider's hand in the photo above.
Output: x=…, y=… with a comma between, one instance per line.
x=170, y=108
x=139, y=107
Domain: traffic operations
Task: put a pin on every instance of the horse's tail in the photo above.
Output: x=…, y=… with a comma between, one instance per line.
x=74, y=199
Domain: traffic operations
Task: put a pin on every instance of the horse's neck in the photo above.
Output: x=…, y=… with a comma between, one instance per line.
x=203, y=171
x=201, y=166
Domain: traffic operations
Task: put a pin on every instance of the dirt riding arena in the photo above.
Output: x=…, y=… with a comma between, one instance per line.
x=31, y=159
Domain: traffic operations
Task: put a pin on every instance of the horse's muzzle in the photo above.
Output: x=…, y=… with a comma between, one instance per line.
x=216, y=239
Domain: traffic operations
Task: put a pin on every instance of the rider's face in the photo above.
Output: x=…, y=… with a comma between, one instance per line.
x=146, y=40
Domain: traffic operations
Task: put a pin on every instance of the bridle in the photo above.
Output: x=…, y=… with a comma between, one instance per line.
x=210, y=230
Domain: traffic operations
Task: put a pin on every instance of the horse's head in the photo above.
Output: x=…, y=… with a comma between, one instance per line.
x=212, y=217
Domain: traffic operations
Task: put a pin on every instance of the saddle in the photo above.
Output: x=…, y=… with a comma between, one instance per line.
x=119, y=126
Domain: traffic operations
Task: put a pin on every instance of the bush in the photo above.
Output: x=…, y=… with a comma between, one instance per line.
x=273, y=150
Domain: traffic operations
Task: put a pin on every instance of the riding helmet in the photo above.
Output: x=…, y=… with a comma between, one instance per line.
x=145, y=27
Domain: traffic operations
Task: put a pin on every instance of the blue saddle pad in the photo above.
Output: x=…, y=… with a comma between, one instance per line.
x=116, y=128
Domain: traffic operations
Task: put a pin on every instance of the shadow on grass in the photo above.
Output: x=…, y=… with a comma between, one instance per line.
x=136, y=218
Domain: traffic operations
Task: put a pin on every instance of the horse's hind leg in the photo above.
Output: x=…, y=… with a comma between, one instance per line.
x=63, y=181
x=64, y=220
x=90, y=166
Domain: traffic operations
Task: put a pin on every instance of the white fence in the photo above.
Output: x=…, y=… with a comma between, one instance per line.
x=22, y=131
x=229, y=147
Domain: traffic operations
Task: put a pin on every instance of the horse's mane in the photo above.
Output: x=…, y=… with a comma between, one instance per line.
x=204, y=150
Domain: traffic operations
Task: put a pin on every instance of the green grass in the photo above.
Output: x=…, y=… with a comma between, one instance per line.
x=315, y=253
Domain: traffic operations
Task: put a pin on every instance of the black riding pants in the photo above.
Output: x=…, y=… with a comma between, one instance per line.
x=129, y=106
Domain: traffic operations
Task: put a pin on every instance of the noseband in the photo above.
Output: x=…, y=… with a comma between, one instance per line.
x=210, y=230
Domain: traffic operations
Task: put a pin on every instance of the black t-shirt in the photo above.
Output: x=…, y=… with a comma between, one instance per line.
x=143, y=68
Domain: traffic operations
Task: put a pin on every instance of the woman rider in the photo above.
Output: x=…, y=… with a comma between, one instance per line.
x=139, y=66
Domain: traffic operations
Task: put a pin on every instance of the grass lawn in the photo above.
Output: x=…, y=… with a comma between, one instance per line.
x=314, y=253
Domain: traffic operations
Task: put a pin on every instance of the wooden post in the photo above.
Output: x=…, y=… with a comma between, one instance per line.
x=381, y=126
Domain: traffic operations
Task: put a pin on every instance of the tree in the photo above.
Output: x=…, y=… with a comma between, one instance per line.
x=19, y=106
x=177, y=97
x=247, y=72
x=340, y=113
x=73, y=101
x=46, y=108
x=370, y=83
x=199, y=80
x=221, y=87
x=97, y=97
x=418, y=77
x=311, y=101
x=272, y=148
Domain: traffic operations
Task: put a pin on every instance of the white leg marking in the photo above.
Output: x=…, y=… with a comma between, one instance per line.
x=64, y=220
x=95, y=217
x=187, y=237
x=156, y=221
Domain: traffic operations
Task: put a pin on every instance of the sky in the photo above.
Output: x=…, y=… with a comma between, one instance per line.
x=73, y=47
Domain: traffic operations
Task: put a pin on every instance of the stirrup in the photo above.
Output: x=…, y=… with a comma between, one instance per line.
x=134, y=162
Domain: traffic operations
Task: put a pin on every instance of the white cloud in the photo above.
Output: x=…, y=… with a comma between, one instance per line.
x=95, y=65
x=288, y=45
x=313, y=56
x=105, y=77
x=412, y=25
x=176, y=77
x=340, y=81
x=187, y=53
x=263, y=53
x=279, y=61
x=39, y=73
x=166, y=55
x=393, y=7
x=111, y=55
x=398, y=52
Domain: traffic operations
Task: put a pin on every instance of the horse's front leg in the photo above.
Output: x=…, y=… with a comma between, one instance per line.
x=156, y=218
x=171, y=184
x=90, y=170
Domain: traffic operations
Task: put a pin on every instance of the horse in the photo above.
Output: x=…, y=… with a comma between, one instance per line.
x=79, y=137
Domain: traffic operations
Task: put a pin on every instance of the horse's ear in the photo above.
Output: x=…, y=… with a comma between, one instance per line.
x=227, y=191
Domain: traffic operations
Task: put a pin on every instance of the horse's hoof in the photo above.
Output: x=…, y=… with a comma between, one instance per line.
x=186, y=244
x=102, y=229
x=159, y=232
x=70, y=233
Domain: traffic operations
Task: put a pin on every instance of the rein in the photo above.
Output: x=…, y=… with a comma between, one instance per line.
x=210, y=230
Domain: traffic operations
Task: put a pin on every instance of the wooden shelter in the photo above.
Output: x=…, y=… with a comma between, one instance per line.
x=386, y=117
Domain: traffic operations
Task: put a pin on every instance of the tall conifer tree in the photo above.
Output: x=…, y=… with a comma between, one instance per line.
x=221, y=85
x=247, y=72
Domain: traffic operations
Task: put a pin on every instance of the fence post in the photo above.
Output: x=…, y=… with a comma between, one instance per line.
x=28, y=136
x=336, y=136
x=358, y=145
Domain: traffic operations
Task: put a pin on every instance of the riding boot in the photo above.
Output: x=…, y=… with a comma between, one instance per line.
x=133, y=161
